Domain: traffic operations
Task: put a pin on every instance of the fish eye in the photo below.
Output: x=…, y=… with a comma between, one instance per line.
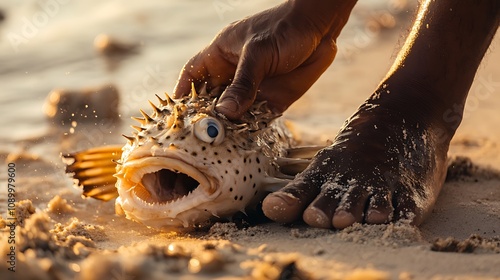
x=212, y=130
x=209, y=130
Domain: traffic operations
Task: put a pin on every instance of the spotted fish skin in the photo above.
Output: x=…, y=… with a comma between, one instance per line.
x=186, y=164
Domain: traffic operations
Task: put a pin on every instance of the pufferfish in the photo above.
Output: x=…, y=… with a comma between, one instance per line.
x=187, y=164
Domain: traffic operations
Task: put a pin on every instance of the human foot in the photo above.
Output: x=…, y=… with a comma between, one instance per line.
x=387, y=163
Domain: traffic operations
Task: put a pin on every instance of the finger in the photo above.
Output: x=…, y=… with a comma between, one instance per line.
x=193, y=71
x=252, y=67
x=208, y=68
x=281, y=91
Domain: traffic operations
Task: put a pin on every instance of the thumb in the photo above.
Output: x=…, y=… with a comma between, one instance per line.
x=241, y=93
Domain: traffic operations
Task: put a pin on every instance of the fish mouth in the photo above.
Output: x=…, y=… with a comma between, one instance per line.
x=164, y=180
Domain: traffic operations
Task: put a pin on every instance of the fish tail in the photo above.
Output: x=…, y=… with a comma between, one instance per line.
x=94, y=169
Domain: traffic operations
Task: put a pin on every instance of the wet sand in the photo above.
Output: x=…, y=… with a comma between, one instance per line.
x=62, y=236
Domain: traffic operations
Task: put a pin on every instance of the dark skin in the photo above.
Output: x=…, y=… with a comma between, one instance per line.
x=388, y=162
x=253, y=59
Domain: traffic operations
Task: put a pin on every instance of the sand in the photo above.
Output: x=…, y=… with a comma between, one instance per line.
x=60, y=235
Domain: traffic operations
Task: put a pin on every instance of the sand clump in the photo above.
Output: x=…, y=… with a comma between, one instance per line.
x=51, y=250
x=396, y=234
x=65, y=107
x=24, y=209
x=230, y=231
x=309, y=232
x=45, y=249
x=461, y=168
x=59, y=205
x=277, y=267
x=474, y=243
x=76, y=228
x=151, y=261
x=43, y=252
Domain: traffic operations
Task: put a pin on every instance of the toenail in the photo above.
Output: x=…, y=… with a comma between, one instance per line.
x=342, y=219
x=282, y=207
x=376, y=217
x=283, y=198
x=316, y=218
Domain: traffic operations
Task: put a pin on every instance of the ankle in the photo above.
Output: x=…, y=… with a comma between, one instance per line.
x=415, y=103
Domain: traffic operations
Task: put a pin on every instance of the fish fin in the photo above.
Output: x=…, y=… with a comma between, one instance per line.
x=94, y=169
x=304, y=152
x=272, y=184
x=292, y=166
x=297, y=159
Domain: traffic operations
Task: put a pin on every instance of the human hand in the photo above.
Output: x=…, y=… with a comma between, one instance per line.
x=275, y=55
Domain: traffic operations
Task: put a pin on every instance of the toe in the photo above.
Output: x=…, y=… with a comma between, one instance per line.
x=281, y=207
x=320, y=212
x=288, y=204
x=376, y=216
x=343, y=219
x=317, y=218
x=380, y=210
x=351, y=207
x=405, y=207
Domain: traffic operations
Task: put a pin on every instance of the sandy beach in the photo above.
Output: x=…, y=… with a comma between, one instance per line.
x=60, y=235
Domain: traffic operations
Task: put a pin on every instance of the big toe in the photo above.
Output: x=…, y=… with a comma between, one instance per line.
x=282, y=207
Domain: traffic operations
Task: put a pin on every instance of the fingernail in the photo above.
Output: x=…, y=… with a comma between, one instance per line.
x=227, y=105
